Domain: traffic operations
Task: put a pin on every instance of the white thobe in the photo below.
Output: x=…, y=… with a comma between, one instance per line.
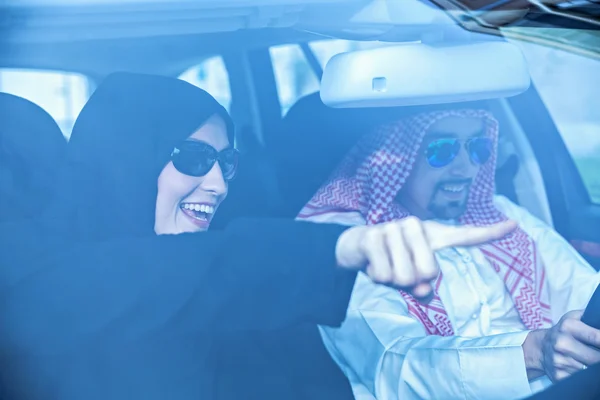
x=386, y=353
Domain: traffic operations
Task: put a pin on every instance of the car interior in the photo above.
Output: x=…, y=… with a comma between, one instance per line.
x=291, y=143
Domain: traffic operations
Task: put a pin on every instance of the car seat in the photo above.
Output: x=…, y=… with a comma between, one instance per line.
x=32, y=147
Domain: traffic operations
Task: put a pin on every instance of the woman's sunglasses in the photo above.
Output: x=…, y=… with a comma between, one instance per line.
x=441, y=152
x=198, y=158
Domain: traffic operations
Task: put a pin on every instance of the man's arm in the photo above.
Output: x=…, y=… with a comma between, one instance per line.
x=403, y=362
x=569, y=345
x=584, y=385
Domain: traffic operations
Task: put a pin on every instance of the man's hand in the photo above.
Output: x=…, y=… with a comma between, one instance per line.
x=401, y=253
x=564, y=349
x=569, y=346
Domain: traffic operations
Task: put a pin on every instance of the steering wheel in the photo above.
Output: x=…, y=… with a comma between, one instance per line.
x=591, y=315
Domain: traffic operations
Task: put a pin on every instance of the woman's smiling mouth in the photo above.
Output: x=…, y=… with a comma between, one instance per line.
x=199, y=214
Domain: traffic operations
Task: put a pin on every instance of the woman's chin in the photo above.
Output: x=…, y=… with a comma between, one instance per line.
x=181, y=225
x=196, y=229
x=188, y=224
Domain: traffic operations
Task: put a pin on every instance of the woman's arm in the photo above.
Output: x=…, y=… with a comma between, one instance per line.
x=257, y=274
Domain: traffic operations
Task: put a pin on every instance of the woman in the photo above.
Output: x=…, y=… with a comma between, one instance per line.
x=32, y=148
x=121, y=312
x=148, y=156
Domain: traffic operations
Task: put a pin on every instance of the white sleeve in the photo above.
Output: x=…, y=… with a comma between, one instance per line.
x=571, y=280
x=384, y=351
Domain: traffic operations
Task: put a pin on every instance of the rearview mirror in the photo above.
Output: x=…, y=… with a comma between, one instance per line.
x=420, y=74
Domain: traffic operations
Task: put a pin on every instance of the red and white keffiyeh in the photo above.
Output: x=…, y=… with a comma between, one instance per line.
x=372, y=174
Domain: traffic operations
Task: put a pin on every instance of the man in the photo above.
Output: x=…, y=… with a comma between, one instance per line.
x=504, y=316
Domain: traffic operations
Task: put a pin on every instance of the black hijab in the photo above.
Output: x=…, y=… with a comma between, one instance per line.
x=32, y=148
x=121, y=141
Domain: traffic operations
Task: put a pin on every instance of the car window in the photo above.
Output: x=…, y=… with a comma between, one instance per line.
x=61, y=94
x=568, y=84
x=294, y=76
x=211, y=75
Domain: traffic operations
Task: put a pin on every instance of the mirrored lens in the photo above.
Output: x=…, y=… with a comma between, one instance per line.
x=441, y=152
x=480, y=149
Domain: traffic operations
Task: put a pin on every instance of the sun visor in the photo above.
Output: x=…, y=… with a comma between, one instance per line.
x=419, y=74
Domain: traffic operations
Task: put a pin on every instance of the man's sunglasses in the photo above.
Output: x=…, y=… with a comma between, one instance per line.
x=441, y=152
x=195, y=158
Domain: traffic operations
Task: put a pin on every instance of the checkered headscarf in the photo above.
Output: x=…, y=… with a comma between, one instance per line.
x=374, y=172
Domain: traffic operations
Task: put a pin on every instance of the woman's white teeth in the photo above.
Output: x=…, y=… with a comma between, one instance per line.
x=199, y=208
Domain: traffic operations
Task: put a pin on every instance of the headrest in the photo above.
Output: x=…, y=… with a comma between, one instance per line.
x=312, y=141
x=32, y=147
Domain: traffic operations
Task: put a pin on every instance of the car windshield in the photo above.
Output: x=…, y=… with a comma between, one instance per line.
x=563, y=65
x=264, y=62
x=567, y=80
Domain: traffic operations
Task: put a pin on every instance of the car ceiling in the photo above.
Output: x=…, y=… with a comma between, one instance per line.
x=166, y=36
x=92, y=36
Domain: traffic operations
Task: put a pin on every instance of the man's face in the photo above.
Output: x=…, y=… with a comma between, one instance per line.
x=441, y=192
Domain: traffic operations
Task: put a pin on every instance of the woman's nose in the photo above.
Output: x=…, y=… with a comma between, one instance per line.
x=214, y=182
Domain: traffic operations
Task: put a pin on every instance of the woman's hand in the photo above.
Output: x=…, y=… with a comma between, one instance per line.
x=401, y=253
